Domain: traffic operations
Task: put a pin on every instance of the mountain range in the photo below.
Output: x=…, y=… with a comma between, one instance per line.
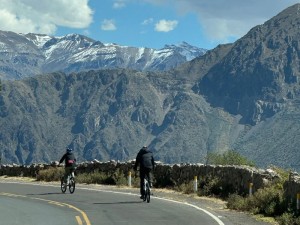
x=26, y=55
x=242, y=96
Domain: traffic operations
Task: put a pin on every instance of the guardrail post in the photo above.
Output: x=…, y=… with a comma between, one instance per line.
x=195, y=184
x=129, y=178
x=298, y=201
x=250, y=188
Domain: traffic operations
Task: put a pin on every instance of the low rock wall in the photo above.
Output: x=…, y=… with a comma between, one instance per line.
x=236, y=178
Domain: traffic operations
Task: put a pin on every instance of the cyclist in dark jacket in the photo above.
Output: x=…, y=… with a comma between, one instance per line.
x=145, y=161
x=70, y=163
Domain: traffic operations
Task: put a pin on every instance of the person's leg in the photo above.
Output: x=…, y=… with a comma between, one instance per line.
x=72, y=172
x=149, y=177
x=67, y=172
x=142, y=177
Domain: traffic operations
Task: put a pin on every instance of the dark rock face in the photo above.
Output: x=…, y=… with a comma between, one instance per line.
x=260, y=73
x=102, y=114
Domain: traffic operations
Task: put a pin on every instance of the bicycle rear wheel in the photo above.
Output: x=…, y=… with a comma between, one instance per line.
x=147, y=193
x=72, y=185
x=145, y=190
x=63, y=185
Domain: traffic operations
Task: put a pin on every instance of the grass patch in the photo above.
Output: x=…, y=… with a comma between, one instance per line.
x=51, y=174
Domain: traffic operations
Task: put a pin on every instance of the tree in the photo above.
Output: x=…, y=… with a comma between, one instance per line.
x=230, y=157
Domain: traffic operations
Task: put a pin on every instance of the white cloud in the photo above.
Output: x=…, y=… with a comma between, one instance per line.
x=148, y=21
x=165, y=25
x=222, y=20
x=119, y=4
x=108, y=25
x=25, y=16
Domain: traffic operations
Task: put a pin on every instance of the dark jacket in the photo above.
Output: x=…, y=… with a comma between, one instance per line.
x=144, y=159
x=69, y=158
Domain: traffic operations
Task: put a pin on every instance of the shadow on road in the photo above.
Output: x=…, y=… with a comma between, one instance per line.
x=111, y=203
x=53, y=193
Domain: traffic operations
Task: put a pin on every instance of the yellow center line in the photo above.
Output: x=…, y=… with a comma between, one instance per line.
x=12, y=195
x=87, y=221
x=56, y=203
x=79, y=221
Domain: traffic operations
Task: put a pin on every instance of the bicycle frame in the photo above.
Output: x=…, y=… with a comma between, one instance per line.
x=147, y=189
x=70, y=183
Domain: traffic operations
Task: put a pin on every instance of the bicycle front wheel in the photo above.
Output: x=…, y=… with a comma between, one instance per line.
x=72, y=185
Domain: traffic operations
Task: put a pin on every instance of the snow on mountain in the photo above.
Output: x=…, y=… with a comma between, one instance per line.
x=31, y=54
x=38, y=39
x=187, y=50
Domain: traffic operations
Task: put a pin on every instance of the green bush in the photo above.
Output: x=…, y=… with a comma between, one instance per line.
x=214, y=186
x=119, y=178
x=210, y=187
x=92, y=178
x=288, y=219
x=98, y=177
x=236, y=202
x=186, y=188
x=228, y=158
x=268, y=201
x=51, y=174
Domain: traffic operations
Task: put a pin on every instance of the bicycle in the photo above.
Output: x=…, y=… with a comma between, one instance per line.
x=70, y=183
x=147, y=190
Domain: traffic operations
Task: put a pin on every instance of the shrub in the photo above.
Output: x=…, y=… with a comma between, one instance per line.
x=236, y=202
x=228, y=158
x=98, y=177
x=119, y=178
x=211, y=186
x=186, y=188
x=288, y=219
x=51, y=174
x=92, y=178
x=268, y=201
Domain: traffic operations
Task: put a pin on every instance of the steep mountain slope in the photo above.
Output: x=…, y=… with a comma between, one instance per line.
x=31, y=54
x=260, y=74
x=106, y=115
x=258, y=78
x=18, y=56
x=274, y=141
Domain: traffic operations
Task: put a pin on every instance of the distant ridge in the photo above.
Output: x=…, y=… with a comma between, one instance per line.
x=25, y=55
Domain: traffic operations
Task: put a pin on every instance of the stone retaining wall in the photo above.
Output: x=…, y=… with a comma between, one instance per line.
x=237, y=178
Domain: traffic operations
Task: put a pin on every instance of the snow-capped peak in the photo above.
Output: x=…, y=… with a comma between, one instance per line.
x=38, y=39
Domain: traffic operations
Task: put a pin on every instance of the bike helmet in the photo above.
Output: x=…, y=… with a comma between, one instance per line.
x=69, y=150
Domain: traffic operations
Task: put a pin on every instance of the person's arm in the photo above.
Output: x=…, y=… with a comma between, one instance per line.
x=62, y=159
x=137, y=161
x=152, y=160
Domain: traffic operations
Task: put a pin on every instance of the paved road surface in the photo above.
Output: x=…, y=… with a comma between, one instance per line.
x=43, y=204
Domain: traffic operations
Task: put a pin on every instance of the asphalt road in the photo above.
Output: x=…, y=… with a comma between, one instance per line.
x=43, y=204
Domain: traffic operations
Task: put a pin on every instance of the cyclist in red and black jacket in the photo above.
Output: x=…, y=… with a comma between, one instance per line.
x=70, y=163
x=145, y=161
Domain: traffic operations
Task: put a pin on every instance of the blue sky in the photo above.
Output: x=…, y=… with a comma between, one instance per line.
x=141, y=23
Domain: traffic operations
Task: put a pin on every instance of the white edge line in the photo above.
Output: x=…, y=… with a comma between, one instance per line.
x=124, y=193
